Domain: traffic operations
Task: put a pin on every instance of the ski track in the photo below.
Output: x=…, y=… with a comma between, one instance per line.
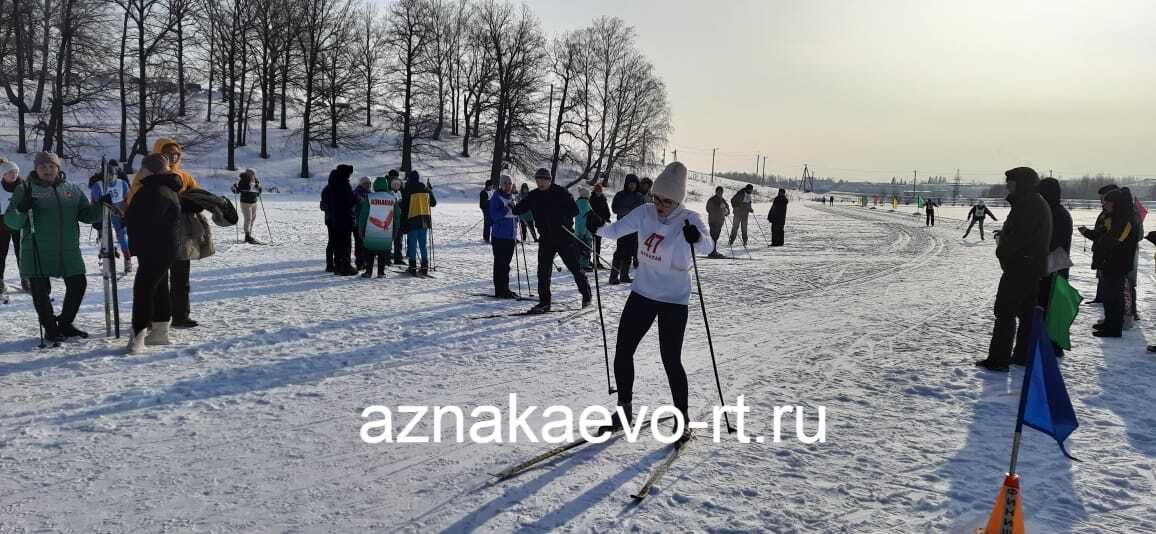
x=250, y=422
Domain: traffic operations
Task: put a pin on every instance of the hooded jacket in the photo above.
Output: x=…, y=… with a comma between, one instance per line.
x=416, y=201
x=337, y=199
x=1027, y=230
x=187, y=180
x=625, y=201
x=377, y=216
x=554, y=211
x=599, y=205
x=742, y=202
x=154, y=219
x=1116, y=246
x=778, y=214
x=54, y=221
x=502, y=214
x=717, y=210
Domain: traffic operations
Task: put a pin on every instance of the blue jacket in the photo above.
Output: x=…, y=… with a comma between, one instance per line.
x=505, y=222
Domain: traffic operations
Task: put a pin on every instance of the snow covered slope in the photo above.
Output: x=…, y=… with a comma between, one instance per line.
x=250, y=423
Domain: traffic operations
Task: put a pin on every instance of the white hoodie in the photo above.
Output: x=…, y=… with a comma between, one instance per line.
x=664, y=260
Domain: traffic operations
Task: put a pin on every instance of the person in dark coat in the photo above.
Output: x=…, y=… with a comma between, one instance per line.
x=329, y=240
x=248, y=188
x=554, y=210
x=339, y=204
x=1022, y=251
x=1049, y=188
x=717, y=211
x=153, y=220
x=625, y=201
x=742, y=203
x=1117, y=255
x=484, y=205
x=599, y=205
x=1093, y=234
x=777, y=216
x=929, y=209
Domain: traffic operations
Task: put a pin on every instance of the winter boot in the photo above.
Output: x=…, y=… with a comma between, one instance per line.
x=67, y=330
x=158, y=334
x=540, y=308
x=613, y=277
x=412, y=270
x=424, y=268
x=992, y=366
x=136, y=343
x=586, y=299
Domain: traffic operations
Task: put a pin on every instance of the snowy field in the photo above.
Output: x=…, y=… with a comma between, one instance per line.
x=250, y=423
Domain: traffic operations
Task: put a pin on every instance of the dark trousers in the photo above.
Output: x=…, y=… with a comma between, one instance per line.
x=359, y=252
x=503, y=254
x=637, y=317
x=931, y=218
x=74, y=287
x=777, y=234
x=1113, y=297
x=547, y=249
x=598, y=251
x=624, y=255
x=342, y=240
x=179, y=289
x=739, y=222
x=715, y=233
x=398, y=237
x=1015, y=300
x=382, y=259
x=151, y=301
x=973, y=223
x=7, y=236
x=487, y=225
x=329, y=263
x=528, y=226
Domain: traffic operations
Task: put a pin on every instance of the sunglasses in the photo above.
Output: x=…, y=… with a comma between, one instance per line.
x=666, y=202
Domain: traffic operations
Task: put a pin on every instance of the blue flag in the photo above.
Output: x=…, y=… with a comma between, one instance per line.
x=1048, y=409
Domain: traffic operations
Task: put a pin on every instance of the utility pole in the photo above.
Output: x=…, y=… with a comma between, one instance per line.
x=764, y=173
x=644, y=133
x=550, y=114
x=712, y=152
x=664, y=157
x=676, y=154
x=955, y=189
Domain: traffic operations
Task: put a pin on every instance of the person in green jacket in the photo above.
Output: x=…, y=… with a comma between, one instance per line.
x=583, y=233
x=48, y=210
x=376, y=218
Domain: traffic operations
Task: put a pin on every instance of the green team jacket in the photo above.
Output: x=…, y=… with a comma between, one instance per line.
x=51, y=226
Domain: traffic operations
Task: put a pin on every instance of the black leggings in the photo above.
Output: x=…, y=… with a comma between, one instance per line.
x=637, y=316
x=503, y=254
x=179, y=289
x=151, y=302
x=382, y=258
x=74, y=287
x=7, y=236
x=566, y=250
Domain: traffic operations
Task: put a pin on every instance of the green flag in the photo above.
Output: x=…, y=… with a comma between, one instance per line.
x=919, y=201
x=1063, y=306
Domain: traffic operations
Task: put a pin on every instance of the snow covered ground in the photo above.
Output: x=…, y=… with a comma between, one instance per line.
x=250, y=423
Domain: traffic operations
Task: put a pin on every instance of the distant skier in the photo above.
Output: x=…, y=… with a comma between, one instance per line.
x=503, y=235
x=484, y=205
x=1022, y=252
x=625, y=201
x=742, y=205
x=526, y=220
x=118, y=194
x=644, y=186
x=929, y=209
x=154, y=220
x=599, y=205
x=662, y=288
x=976, y=215
x=417, y=200
x=777, y=216
x=375, y=222
x=249, y=188
x=9, y=176
x=48, y=208
x=717, y=211
x=554, y=211
x=1093, y=235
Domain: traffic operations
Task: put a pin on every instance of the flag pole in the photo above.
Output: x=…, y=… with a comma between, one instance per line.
x=1015, y=452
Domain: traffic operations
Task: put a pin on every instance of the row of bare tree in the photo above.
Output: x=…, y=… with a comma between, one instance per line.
x=335, y=73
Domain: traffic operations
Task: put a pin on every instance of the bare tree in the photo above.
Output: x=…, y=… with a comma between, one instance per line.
x=369, y=53
x=565, y=55
x=321, y=22
x=409, y=36
x=28, y=60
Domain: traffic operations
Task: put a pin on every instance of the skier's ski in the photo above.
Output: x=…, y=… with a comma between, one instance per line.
x=487, y=295
x=522, y=467
x=520, y=314
x=659, y=471
x=575, y=314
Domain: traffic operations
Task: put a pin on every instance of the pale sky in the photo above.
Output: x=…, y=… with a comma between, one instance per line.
x=873, y=89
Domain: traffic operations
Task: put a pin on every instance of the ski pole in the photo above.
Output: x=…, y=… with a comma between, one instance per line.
x=268, y=228
x=475, y=225
x=762, y=232
x=730, y=243
x=237, y=228
x=518, y=272
x=36, y=259
x=105, y=250
x=706, y=324
x=601, y=321
x=526, y=266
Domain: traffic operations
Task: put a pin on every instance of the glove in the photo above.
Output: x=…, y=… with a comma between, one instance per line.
x=594, y=221
x=1084, y=231
x=691, y=233
x=234, y=189
x=106, y=199
x=27, y=203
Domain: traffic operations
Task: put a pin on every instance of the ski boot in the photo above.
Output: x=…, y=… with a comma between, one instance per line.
x=67, y=330
x=540, y=308
x=424, y=269
x=412, y=270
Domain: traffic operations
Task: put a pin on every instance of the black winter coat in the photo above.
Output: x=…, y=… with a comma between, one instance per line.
x=554, y=210
x=625, y=201
x=599, y=205
x=778, y=213
x=337, y=199
x=1026, y=234
x=154, y=219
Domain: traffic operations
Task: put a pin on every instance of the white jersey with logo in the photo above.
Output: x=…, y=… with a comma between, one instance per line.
x=664, y=260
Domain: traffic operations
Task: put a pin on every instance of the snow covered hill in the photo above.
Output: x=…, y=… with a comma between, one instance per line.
x=250, y=423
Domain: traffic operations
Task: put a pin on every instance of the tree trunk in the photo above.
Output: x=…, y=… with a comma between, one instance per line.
x=142, y=85
x=209, y=88
x=406, y=134
x=284, y=92
x=558, y=128
x=181, y=109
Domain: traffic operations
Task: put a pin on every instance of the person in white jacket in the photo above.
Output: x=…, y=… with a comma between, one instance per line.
x=668, y=234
